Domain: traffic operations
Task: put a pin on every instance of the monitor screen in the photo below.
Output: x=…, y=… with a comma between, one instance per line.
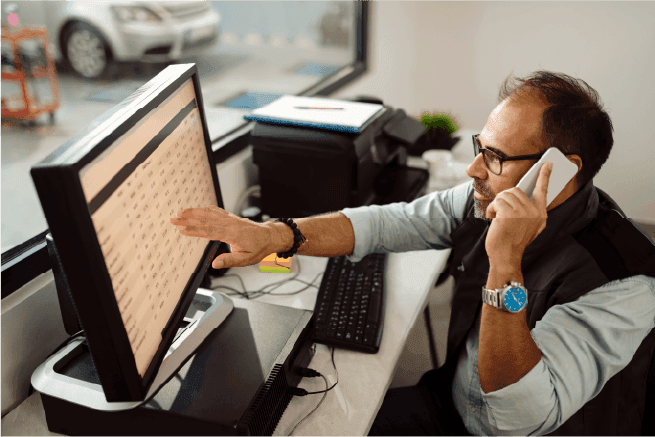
x=108, y=196
x=132, y=189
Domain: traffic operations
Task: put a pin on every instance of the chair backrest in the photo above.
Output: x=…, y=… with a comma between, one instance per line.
x=648, y=424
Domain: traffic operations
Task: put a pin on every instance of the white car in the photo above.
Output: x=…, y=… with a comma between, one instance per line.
x=90, y=36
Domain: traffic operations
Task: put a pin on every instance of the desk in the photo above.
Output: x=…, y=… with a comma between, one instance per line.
x=351, y=406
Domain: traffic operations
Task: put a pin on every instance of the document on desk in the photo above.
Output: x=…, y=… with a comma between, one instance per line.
x=338, y=115
x=148, y=261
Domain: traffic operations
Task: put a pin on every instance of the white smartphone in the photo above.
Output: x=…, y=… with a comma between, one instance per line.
x=563, y=171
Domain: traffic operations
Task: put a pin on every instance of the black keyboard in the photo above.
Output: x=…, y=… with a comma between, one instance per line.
x=349, y=310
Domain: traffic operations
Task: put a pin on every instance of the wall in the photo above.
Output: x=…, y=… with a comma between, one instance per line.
x=452, y=56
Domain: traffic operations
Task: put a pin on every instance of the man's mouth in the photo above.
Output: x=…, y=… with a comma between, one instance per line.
x=479, y=196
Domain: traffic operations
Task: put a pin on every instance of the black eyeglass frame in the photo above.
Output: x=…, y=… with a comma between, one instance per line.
x=477, y=149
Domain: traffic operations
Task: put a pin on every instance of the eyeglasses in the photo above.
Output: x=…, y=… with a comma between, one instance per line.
x=494, y=161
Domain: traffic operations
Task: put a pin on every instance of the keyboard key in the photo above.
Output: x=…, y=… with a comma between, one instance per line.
x=374, y=313
x=347, y=297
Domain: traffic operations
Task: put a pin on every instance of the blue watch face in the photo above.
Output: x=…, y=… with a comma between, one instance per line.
x=515, y=299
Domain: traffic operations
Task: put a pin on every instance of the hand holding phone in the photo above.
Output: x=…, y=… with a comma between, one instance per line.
x=563, y=171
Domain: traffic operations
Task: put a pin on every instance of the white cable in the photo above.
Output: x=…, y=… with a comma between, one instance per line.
x=254, y=190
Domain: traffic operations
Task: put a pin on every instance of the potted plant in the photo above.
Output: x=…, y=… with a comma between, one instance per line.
x=439, y=128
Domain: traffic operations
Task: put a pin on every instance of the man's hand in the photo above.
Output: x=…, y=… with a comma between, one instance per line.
x=250, y=242
x=508, y=237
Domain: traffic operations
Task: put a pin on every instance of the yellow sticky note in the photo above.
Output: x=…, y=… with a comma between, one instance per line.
x=274, y=264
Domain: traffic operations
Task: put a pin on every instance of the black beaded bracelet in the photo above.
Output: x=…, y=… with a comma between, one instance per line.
x=297, y=237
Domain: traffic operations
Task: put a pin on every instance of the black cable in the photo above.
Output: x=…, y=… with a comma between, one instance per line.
x=304, y=372
x=315, y=408
x=301, y=392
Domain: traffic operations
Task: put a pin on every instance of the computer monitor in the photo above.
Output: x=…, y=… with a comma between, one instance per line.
x=107, y=195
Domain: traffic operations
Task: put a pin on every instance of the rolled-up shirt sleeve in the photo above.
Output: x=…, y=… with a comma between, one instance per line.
x=531, y=399
x=425, y=223
x=583, y=344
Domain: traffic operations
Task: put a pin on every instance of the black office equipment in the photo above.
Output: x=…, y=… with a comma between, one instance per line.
x=349, y=311
x=236, y=383
x=308, y=171
x=130, y=281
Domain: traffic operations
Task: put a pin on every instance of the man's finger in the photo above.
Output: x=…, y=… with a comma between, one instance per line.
x=191, y=221
x=541, y=188
x=193, y=231
x=195, y=212
x=491, y=210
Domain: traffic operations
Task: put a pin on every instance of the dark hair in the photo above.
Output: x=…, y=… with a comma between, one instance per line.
x=573, y=119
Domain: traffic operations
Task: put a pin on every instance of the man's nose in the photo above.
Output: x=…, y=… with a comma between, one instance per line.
x=477, y=168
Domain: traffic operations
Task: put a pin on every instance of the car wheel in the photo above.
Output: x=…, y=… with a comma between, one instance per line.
x=86, y=51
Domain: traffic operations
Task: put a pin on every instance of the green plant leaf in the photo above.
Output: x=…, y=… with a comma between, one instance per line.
x=434, y=121
x=443, y=121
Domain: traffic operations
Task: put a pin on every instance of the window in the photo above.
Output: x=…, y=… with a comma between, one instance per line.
x=247, y=54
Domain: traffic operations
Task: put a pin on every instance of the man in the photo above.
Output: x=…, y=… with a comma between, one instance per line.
x=574, y=359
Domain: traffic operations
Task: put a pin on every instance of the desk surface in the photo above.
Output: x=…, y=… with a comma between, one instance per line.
x=351, y=406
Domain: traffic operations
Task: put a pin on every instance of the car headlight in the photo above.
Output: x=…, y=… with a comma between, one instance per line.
x=141, y=14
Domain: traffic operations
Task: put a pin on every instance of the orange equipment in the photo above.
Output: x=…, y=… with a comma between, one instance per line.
x=18, y=66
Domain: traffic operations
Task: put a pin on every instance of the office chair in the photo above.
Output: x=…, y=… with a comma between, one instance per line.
x=648, y=424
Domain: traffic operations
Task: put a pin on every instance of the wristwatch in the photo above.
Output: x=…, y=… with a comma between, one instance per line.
x=512, y=298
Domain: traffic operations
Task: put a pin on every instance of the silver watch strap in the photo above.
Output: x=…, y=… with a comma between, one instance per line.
x=491, y=297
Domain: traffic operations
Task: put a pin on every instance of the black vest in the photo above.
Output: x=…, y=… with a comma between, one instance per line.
x=587, y=243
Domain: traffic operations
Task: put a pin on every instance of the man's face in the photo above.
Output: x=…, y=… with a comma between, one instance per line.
x=512, y=129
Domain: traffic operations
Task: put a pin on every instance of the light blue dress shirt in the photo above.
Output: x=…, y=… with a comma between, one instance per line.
x=583, y=343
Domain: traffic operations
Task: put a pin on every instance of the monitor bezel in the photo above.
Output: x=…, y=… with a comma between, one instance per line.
x=71, y=226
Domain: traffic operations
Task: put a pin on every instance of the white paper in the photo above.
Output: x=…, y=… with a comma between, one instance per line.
x=351, y=114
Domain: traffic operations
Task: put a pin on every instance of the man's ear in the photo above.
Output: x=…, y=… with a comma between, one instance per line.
x=578, y=162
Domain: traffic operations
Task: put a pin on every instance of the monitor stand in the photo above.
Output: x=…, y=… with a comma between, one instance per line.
x=237, y=382
x=207, y=311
